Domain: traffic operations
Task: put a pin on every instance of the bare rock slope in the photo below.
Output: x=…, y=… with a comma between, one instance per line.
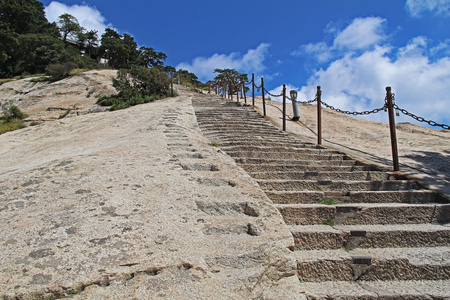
x=135, y=204
x=44, y=101
x=139, y=204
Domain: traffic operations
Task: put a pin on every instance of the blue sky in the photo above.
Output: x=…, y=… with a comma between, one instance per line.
x=353, y=49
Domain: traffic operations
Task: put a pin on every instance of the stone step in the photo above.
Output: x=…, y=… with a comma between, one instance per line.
x=226, y=124
x=375, y=290
x=374, y=264
x=324, y=166
x=300, y=155
x=310, y=237
x=291, y=163
x=305, y=197
x=277, y=148
x=308, y=175
x=364, y=213
x=255, y=138
x=263, y=143
x=242, y=134
x=230, y=118
x=259, y=125
x=337, y=185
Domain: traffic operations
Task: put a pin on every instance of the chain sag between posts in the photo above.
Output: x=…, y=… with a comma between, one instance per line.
x=355, y=113
x=420, y=119
x=275, y=96
x=308, y=101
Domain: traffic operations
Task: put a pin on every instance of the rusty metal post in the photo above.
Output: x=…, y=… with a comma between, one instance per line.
x=284, y=107
x=253, y=89
x=390, y=107
x=319, y=116
x=237, y=92
x=243, y=90
x=263, y=99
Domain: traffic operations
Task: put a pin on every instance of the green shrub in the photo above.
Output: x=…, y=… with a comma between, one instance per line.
x=141, y=81
x=11, y=126
x=139, y=85
x=12, y=113
x=59, y=71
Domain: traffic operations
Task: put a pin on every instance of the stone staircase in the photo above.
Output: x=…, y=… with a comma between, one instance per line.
x=360, y=232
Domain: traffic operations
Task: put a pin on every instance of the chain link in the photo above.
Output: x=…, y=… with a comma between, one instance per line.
x=275, y=96
x=355, y=113
x=420, y=119
x=367, y=112
x=309, y=101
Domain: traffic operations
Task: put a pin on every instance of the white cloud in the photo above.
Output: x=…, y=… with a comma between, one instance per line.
x=417, y=46
x=442, y=49
x=320, y=50
x=361, y=33
x=358, y=65
x=88, y=17
x=357, y=82
x=417, y=7
x=251, y=62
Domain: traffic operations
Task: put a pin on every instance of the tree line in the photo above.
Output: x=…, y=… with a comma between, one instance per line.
x=30, y=44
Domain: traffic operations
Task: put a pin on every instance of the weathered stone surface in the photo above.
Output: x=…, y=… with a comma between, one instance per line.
x=100, y=205
x=44, y=101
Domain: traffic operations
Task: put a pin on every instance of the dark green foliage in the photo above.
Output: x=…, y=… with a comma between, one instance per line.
x=36, y=52
x=141, y=81
x=12, y=118
x=68, y=25
x=28, y=41
x=59, y=71
x=88, y=42
x=138, y=85
x=25, y=16
x=15, y=114
x=9, y=42
x=148, y=57
x=230, y=79
x=114, y=49
x=187, y=77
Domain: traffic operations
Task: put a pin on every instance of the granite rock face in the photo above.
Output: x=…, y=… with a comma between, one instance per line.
x=136, y=204
x=44, y=101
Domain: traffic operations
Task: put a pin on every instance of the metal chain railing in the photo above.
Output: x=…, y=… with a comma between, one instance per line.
x=275, y=96
x=420, y=119
x=355, y=113
x=308, y=101
x=388, y=106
